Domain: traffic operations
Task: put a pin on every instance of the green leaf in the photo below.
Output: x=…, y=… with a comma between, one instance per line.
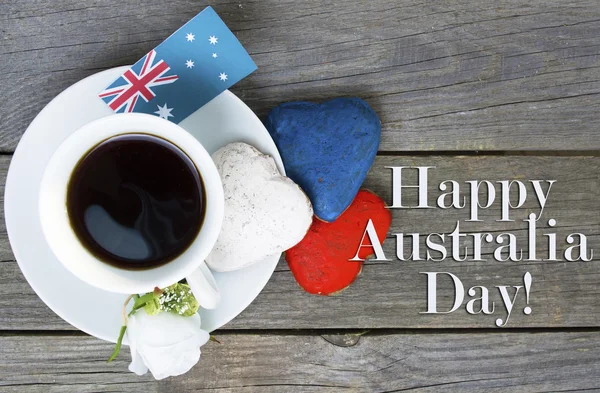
x=141, y=302
x=153, y=306
x=118, y=346
x=179, y=299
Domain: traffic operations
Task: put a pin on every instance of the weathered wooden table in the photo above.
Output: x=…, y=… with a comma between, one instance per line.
x=488, y=90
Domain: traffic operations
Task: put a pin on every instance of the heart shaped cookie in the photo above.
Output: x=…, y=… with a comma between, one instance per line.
x=265, y=213
x=321, y=261
x=327, y=149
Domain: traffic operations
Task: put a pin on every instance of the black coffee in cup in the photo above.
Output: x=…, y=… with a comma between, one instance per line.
x=136, y=201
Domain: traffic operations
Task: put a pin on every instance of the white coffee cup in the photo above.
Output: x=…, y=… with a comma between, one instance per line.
x=83, y=264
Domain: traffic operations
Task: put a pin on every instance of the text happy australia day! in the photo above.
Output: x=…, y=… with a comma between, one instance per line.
x=481, y=194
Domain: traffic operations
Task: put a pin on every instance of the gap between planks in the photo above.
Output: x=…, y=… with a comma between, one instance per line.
x=456, y=153
x=336, y=331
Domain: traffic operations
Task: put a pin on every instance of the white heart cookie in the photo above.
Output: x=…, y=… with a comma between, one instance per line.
x=265, y=213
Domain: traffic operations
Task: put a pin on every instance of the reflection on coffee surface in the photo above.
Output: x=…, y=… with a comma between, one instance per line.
x=136, y=201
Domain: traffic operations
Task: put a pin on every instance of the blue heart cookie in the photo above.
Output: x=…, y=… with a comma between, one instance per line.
x=327, y=149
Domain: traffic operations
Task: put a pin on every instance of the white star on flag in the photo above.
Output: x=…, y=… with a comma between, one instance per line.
x=163, y=112
x=214, y=55
x=213, y=40
x=190, y=37
x=223, y=76
x=189, y=64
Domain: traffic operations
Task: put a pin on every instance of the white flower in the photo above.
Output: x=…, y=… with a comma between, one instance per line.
x=165, y=343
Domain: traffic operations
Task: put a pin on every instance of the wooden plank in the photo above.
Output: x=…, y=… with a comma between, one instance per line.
x=524, y=362
x=392, y=294
x=5, y=250
x=453, y=75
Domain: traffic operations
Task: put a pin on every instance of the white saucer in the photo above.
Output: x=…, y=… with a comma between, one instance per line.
x=223, y=120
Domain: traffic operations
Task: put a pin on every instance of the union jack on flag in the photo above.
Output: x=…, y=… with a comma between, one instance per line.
x=187, y=70
x=131, y=85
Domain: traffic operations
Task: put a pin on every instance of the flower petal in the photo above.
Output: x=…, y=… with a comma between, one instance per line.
x=137, y=364
x=165, y=343
x=173, y=360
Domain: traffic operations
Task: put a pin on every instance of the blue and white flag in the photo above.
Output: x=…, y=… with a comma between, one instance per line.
x=187, y=70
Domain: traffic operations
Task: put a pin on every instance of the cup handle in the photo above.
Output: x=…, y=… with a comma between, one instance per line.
x=203, y=285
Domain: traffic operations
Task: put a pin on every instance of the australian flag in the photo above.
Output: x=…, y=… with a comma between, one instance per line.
x=191, y=67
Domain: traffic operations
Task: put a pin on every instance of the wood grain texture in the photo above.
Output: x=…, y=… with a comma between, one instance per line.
x=391, y=294
x=456, y=75
x=524, y=362
x=452, y=75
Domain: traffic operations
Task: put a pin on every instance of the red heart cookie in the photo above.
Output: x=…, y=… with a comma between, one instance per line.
x=321, y=261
